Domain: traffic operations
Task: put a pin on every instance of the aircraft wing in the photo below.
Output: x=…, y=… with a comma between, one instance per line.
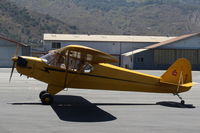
x=89, y=54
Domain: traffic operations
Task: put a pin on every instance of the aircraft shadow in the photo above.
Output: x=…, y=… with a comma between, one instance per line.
x=162, y=103
x=78, y=109
x=175, y=104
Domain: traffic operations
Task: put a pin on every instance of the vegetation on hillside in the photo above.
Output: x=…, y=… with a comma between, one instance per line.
x=27, y=26
x=135, y=17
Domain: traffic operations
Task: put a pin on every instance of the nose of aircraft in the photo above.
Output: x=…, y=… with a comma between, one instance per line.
x=14, y=59
x=21, y=62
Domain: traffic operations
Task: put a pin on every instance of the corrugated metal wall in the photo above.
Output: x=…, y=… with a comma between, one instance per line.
x=191, y=55
x=164, y=56
x=168, y=56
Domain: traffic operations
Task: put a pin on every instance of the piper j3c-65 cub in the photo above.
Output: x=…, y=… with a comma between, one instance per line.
x=76, y=66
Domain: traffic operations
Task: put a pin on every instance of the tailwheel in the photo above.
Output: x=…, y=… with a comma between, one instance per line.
x=182, y=101
x=42, y=93
x=47, y=99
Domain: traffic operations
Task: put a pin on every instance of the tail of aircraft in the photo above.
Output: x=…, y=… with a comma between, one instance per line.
x=178, y=73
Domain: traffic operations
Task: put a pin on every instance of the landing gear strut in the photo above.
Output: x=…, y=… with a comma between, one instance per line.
x=182, y=101
x=46, y=98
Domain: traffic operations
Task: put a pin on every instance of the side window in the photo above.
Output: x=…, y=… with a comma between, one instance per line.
x=87, y=68
x=75, y=54
x=74, y=60
x=89, y=57
x=140, y=59
x=56, y=45
x=79, y=62
x=74, y=64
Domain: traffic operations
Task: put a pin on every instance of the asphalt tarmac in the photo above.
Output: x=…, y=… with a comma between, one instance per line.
x=95, y=111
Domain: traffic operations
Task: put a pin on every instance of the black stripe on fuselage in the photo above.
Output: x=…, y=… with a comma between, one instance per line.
x=47, y=69
x=109, y=78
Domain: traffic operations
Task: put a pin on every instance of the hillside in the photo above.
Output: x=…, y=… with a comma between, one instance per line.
x=28, y=26
x=137, y=17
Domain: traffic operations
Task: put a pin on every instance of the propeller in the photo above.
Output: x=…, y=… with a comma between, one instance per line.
x=13, y=67
x=14, y=59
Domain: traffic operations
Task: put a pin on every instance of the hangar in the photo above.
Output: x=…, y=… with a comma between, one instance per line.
x=8, y=49
x=161, y=55
x=115, y=45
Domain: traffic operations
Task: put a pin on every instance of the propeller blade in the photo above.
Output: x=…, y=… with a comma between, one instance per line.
x=14, y=58
x=13, y=67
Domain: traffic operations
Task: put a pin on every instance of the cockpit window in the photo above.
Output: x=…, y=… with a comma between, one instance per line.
x=87, y=68
x=54, y=59
x=73, y=61
x=47, y=58
x=89, y=57
x=74, y=54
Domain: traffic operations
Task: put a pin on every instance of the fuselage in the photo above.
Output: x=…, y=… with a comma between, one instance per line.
x=102, y=76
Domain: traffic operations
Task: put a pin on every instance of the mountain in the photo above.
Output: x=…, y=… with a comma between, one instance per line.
x=27, y=26
x=136, y=17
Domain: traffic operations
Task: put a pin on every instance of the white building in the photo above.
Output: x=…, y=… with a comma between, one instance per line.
x=115, y=45
x=8, y=49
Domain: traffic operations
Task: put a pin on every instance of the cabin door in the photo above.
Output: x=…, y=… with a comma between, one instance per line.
x=73, y=66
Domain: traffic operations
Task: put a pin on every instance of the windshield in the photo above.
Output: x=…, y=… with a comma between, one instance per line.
x=54, y=59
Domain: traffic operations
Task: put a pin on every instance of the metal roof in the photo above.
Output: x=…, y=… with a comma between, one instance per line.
x=160, y=44
x=13, y=41
x=103, y=38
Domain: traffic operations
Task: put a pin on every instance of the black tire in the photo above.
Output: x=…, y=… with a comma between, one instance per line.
x=47, y=99
x=42, y=93
x=182, y=102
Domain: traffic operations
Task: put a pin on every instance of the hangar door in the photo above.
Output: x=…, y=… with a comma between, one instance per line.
x=168, y=56
x=6, y=54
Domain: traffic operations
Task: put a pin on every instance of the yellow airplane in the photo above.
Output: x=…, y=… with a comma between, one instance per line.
x=76, y=66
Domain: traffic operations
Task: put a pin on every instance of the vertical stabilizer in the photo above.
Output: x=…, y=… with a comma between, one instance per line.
x=178, y=73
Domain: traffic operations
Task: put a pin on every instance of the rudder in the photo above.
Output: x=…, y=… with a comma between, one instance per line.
x=178, y=73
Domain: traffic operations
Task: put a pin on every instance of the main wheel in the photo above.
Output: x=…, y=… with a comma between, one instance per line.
x=42, y=93
x=47, y=99
x=182, y=102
